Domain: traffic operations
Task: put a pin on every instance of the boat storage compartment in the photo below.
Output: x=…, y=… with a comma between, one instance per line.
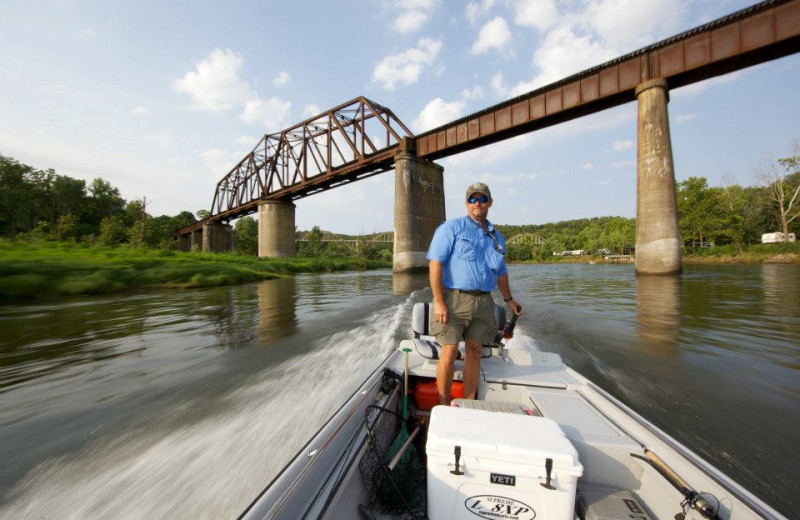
x=495, y=465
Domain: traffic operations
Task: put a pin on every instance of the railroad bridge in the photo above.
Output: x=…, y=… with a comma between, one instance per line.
x=361, y=138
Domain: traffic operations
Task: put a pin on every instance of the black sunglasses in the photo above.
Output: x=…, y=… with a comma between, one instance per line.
x=483, y=199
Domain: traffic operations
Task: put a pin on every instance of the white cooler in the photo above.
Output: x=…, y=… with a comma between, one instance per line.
x=503, y=460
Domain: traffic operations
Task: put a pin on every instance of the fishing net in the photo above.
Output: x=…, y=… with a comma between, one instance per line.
x=398, y=493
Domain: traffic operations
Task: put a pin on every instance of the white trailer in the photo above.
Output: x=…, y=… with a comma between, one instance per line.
x=775, y=238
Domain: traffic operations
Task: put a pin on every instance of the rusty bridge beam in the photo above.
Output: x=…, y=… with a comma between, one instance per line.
x=754, y=35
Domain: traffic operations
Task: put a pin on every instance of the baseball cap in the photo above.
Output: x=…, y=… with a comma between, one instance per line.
x=479, y=187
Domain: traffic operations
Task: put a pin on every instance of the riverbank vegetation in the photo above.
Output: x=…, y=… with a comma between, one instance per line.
x=43, y=270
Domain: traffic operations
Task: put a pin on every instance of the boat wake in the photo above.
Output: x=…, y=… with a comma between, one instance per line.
x=211, y=467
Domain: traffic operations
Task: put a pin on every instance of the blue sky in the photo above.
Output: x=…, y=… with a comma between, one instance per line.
x=162, y=99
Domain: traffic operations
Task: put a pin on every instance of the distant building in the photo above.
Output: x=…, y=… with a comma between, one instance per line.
x=775, y=238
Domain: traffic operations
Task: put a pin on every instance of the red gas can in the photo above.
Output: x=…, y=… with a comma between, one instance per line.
x=426, y=395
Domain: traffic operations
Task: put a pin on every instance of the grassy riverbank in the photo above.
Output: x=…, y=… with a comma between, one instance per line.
x=754, y=254
x=45, y=270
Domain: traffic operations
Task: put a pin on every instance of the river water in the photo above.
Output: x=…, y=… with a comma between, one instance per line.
x=186, y=404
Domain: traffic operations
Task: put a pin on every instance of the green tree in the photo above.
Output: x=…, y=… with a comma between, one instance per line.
x=697, y=210
x=17, y=214
x=618, y=233
x=68, y=196
x=104, y=201
x=313, y=245
x=113, y=231
x=245, y=236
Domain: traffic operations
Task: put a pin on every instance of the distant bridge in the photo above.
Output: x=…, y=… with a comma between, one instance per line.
x=532, y=237
x=331, y=238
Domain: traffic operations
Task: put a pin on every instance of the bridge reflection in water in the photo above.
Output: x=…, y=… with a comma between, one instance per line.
x=658, y=313
x=277, y=302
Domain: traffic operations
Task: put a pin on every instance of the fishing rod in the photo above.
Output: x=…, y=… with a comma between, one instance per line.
x=691, y=498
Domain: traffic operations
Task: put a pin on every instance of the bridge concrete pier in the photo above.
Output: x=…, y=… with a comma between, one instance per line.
x=185, y=242
x=658, y=247
x=276, y=228
x=196, y=240
x=217, y=238
x=418, y=210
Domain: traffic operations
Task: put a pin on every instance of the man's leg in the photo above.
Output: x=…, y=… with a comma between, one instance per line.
x=472, y=368
x=444, y=372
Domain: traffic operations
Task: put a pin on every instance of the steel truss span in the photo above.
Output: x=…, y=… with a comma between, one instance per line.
x=348, y=142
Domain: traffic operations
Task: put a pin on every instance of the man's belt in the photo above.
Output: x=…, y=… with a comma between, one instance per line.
x=471, y=293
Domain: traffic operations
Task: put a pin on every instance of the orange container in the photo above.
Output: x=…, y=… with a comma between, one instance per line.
x=426, y=395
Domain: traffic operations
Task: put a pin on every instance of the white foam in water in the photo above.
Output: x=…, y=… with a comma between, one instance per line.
x=217, y=466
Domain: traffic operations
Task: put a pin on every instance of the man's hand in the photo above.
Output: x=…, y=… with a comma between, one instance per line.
x=515, y=307
x=440, y=312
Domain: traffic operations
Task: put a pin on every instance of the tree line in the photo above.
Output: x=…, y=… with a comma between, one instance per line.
x=42, y=204
x=46, y=205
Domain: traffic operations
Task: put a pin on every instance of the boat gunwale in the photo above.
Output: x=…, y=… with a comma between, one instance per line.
x=351, y=404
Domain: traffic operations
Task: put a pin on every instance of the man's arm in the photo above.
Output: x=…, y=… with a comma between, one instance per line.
x=505, y=290
x=435, y=277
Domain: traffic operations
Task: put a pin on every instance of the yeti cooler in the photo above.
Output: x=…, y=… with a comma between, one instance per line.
x=499, y=466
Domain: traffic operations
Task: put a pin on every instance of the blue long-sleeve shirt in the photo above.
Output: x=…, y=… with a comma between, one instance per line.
x=471, y=259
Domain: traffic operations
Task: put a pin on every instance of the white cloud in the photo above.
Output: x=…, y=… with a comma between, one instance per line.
x=580, y=35
x=281, y=79
x=311, y=110
x=620, y=146
x=494, y=35
x=684, y=118
x=272, y=113
x=221, y=161
x=630, y=24
x=247, y=140
x=476, y=92
x=587, y=167
x=498, y=85
x=476, y=10
x=564, y=53
x=141, y=111
x=541, y=14
x=409, y=22
x=406, y=67
x=437, y=113
x=215, y=84
x=414, y=14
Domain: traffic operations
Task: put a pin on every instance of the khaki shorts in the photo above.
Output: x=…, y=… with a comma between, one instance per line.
x=467, y=316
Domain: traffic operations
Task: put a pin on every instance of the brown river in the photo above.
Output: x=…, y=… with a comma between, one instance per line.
x=186, y=404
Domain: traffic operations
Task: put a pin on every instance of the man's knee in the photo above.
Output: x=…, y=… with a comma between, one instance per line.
x=448, y=354
x=472, y=347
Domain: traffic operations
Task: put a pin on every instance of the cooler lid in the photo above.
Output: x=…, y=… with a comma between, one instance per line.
x=500, y=436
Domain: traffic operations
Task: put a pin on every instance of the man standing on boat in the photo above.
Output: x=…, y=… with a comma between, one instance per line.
x=467, y=262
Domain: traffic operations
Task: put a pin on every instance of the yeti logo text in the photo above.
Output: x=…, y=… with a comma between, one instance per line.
x=506, y=480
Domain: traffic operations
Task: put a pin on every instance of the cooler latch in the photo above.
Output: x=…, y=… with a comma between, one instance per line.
x=457, y=453
x=548, y=468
